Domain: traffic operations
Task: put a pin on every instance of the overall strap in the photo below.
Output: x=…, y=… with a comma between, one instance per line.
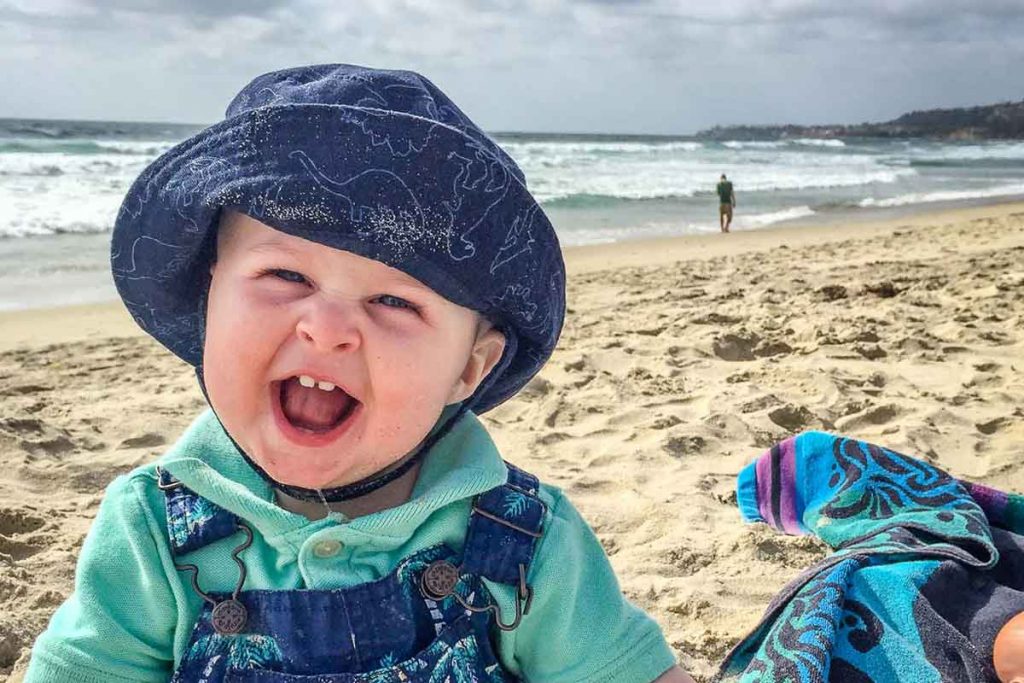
x=503, y=529
x=192, y=521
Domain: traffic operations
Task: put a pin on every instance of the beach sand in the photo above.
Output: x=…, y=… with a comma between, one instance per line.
x=681, y=361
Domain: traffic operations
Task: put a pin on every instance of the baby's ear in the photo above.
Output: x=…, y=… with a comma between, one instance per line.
x=485, y=355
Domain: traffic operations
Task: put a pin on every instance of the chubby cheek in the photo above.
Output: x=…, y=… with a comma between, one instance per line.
x=234, y=360
x=411, y=391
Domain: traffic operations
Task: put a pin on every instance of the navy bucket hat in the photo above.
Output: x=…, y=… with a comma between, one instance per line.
x=378, y=163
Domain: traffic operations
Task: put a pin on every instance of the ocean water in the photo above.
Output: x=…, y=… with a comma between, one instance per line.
x=61, y=183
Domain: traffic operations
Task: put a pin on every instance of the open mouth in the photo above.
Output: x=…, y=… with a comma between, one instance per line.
x=316, y=409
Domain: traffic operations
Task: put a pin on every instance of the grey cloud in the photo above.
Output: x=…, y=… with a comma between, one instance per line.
x=112, y=16
x=901, y=14
x=671, y=66
x=191, y=8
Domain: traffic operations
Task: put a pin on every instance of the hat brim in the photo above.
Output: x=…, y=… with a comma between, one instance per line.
x=409, y=192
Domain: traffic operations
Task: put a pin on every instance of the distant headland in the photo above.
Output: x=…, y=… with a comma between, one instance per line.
x=1003, y=121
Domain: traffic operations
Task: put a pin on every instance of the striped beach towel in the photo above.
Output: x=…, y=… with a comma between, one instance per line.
x=925, y=571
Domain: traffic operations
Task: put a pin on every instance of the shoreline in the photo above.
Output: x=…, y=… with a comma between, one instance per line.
x=663, y=250
x=76, y=322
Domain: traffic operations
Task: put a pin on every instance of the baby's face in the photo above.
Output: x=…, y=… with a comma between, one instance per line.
x=282, y=309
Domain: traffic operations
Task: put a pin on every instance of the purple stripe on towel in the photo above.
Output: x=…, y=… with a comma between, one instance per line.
x=764, y=488
x=991, y=501
x=787, y=502
x=776, y=487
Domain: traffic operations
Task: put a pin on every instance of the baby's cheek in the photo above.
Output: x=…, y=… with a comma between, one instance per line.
x=395, y=438
x=396, y=432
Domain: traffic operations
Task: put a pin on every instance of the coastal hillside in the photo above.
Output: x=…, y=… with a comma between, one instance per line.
x=1003, y=121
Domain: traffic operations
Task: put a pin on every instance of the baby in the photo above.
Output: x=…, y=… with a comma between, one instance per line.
x=355, y=270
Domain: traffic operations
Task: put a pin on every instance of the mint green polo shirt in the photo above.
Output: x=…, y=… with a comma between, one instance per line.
x=131, y=614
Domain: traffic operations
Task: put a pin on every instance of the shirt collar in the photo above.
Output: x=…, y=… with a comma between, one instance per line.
x=462, y=464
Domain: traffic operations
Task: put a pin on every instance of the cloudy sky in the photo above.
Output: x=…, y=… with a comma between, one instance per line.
x=621, y=66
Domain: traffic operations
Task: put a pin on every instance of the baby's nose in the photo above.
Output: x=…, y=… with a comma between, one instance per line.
x=329, y=327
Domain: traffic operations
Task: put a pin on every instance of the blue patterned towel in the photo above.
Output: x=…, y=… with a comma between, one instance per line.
x=925, y=572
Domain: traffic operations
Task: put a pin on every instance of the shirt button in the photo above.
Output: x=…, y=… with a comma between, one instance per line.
x=325, y=549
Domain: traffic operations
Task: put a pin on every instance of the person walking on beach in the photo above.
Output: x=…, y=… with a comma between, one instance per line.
x=726, y=203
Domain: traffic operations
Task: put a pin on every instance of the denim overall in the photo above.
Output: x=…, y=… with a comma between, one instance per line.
x=430, y=620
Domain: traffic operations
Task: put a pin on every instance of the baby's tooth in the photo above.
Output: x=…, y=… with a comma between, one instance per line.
x=326, y=386
x=307, y=381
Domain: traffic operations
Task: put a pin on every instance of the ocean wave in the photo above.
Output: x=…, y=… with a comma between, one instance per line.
x=942, y=196
x=42, y=228
x=46, y=129
x=84, y=147
x=988, y=162
x=960, y=153
x=818, y=142
x=591, y=234
x=762, y=219
x=753, y=144
x=555, y=152
x=71, y=207
x=585, y=200
x=594, y=190
x=780, y=144
x=75, y=168
x=822, y=180
x=38, y=170
x=54, y=129
x=153, y=148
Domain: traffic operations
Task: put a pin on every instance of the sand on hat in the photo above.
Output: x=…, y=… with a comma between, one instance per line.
x=681, y=360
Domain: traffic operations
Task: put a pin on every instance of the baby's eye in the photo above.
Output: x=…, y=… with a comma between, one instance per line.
x=392, y=301
x=287, y=275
